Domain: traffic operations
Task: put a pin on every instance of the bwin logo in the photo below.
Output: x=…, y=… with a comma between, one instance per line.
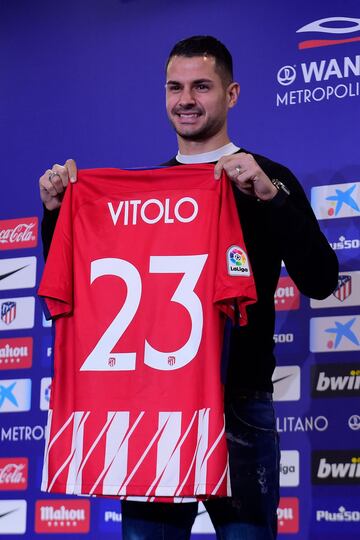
x=339, y=470
x=286, y=75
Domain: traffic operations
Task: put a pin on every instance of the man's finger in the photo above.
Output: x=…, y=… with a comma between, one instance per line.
x=70, y=164
x=59, y=175
x=218, y=168
x=46, y=185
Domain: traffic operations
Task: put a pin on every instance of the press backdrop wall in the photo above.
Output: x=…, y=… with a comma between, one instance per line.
x=85, y=79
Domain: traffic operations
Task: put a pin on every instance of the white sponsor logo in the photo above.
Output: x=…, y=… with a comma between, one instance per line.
x=15, y=395
x=114, y=517
x=321, y=26
x=286, y=381
x=293, y=424
x=153, y=210
x=332, y=70
x=336, y=201
x=337, y=383
x=13, y=516
x=347, y=293
x=45, y=388
x=354, y=422
x=334, y=334
x=344, y=243
x=338, y=470
x=17, y=273
x=289, y=468
x=284, y=338
x=286, y=75
x=22, y=433
x=23, y=315
x=342, y=515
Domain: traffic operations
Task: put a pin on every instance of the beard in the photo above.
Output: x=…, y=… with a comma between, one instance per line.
x=203, y=133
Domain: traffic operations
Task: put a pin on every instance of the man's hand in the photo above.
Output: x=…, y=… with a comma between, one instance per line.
x=246, y=174
x=54, y=182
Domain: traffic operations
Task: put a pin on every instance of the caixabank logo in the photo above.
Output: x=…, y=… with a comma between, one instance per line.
x=335, y=467
x=335, y=380
x=336, y=201
x=335, y=334
x=322, y=79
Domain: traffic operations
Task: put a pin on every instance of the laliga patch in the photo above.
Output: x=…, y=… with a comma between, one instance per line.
x=237, y=262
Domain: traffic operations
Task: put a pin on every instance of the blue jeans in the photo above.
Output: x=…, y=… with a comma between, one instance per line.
x=250, y=514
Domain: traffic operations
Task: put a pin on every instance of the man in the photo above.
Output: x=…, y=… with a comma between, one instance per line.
x=278, y=225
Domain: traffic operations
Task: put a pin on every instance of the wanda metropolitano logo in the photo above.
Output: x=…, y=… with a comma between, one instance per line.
x=323, y=79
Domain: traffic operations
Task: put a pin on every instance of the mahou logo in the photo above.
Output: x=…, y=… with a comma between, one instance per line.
x=62, y=516
x=16, y=353
x=288, y=515
x=13, y=474
x=18, y=233
x=287, y=295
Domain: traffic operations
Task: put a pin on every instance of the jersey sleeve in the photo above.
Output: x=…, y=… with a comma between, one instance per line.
x=234, y=283
x=56, y=285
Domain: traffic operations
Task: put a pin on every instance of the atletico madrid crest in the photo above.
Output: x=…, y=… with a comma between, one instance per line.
x=8, y=312
x=343, y=289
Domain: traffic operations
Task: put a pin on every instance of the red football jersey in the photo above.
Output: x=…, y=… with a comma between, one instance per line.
x=143, y=268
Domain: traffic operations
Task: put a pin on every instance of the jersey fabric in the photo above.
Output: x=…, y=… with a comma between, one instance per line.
x=142, y=271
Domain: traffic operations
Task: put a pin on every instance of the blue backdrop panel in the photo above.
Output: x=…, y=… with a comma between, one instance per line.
x=85, y=79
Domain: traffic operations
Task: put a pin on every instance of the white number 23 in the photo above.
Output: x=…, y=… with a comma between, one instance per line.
x=102, y=359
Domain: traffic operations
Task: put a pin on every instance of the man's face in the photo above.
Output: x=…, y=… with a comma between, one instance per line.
x=196, y=98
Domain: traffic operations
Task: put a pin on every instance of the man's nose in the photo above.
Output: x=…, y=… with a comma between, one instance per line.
x=187, y=97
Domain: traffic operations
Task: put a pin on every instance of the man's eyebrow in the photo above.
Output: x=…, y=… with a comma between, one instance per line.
x=197, y=81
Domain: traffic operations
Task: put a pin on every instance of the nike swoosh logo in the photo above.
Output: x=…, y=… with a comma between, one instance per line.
x=7, y=513
x=3, y=276
x=282, y=378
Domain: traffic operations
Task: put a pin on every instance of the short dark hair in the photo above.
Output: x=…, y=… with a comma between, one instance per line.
x=205, y=46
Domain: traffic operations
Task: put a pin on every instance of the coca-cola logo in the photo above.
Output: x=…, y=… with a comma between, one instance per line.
x=13, y=474
x=18, y=233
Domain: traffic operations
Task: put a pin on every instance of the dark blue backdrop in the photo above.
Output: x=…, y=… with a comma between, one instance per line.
x=85, y=79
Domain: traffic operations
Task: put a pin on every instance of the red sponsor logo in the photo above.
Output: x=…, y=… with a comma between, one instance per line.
x=18, y=233
x=287, y=295
x=13, y=474
x=288, y=515
x=16, y=353
x=62, y=516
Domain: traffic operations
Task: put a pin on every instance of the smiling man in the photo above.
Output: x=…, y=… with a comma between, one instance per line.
x=278, y=225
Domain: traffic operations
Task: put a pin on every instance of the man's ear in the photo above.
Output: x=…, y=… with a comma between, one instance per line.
x=233, y=92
